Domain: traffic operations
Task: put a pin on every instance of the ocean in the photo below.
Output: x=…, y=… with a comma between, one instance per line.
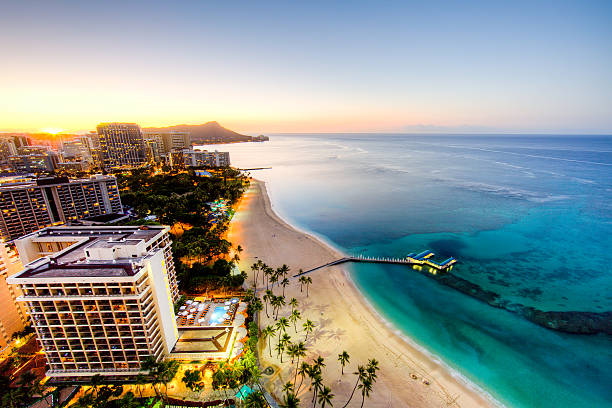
x=528, y=217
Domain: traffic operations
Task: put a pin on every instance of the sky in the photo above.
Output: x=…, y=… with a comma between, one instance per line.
x=434, y=66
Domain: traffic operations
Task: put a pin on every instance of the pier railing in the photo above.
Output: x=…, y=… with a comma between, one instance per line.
x=421, y=259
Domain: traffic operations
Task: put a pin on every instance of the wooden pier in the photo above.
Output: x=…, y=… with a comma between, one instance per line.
x=422, y=259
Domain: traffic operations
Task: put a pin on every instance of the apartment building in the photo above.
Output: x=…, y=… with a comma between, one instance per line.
x=199, y=158
x=168, y=141
x=121, y=145
x=13, y=317
x=27, y=205
x=100, y=298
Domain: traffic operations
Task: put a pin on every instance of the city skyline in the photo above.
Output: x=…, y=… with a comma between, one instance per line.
x=273, y=68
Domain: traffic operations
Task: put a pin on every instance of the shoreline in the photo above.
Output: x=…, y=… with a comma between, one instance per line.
x=345, y=316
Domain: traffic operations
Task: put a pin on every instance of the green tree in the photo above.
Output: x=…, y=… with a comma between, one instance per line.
x=255, y=400
x=192, y=380
x=307, y=282
x=284, y=283
x=294, y=317
x=325, y=397
x=343, y=358
x=308, y=328
x=268, y=333
x=290, y=400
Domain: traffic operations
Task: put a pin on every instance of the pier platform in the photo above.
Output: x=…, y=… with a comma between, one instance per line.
x=421, y=259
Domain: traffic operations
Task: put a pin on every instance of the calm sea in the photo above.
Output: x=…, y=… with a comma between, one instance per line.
x=529, y=217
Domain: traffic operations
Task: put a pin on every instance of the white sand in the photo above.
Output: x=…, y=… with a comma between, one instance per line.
x=344, y=321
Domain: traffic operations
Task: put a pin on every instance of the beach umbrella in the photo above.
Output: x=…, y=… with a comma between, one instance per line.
x=182, y=307
x=189, y=301
x=241, y=333
x=239, y=319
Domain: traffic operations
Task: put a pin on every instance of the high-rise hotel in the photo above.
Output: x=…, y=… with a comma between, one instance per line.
x=100, y=298
x=27, y=205
x=121, y=145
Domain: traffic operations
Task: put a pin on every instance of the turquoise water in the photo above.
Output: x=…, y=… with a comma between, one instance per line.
x=217, y=315
x=529, y=217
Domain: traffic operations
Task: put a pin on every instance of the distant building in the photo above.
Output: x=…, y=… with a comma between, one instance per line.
x=100, y=298
x=74, y=167
x=31, y=204
x=169, y=140
x=13, y=317
x=121, y=145
x=153, y=150
x=39, y=161
x=79, y=149
x=199, y=158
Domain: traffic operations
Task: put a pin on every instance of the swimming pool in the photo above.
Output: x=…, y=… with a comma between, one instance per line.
x=217, y=316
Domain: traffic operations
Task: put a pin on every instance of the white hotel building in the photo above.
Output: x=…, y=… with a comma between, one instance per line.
x=100, y=298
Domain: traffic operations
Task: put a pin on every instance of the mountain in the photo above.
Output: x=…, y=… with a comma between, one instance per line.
x=209, y=132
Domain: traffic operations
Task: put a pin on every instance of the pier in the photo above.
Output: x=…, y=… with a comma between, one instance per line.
x=422, y=259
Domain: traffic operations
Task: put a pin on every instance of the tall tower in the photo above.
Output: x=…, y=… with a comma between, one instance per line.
x=121, y=145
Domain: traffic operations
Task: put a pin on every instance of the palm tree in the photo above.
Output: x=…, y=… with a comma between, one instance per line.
x=317, y=385
x=282, y=324
x=361, y=375
x=325, y=397
x=268, y=274
x=300, y=351
x=301, y=280
x=284, y=270
x=279, y=301
x=319, y=363
x=293, y=303
x=287, y=387
x=268, y=297
x=307, y=281
x=273, y=279
x=294, y=316
x=303, y=371
x=192, y=378
x=366, y=387
x=255, y=400
x=290, y=401
x=167, y=372
x=268, y=333
x=286, y=339
x=343, y=358
x=140, y=381
x=255, y=270
x=308, y=327
x=256, y=307
x=284, y=283
x=291, y=350
x=280, y=348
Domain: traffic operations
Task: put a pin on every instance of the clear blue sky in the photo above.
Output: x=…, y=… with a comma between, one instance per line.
x=513, y=66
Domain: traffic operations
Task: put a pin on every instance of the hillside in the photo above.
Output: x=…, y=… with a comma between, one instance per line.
x=210, y=132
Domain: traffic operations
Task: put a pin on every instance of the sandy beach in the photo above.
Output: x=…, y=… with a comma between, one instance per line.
x=343, y=319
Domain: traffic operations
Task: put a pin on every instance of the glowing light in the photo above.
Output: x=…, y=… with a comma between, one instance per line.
x=53, y=131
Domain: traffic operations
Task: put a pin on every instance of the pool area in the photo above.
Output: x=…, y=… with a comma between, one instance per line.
x=216, y=317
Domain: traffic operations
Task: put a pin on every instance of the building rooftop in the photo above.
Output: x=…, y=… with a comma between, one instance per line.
x=95, y=251
x=15, y=183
